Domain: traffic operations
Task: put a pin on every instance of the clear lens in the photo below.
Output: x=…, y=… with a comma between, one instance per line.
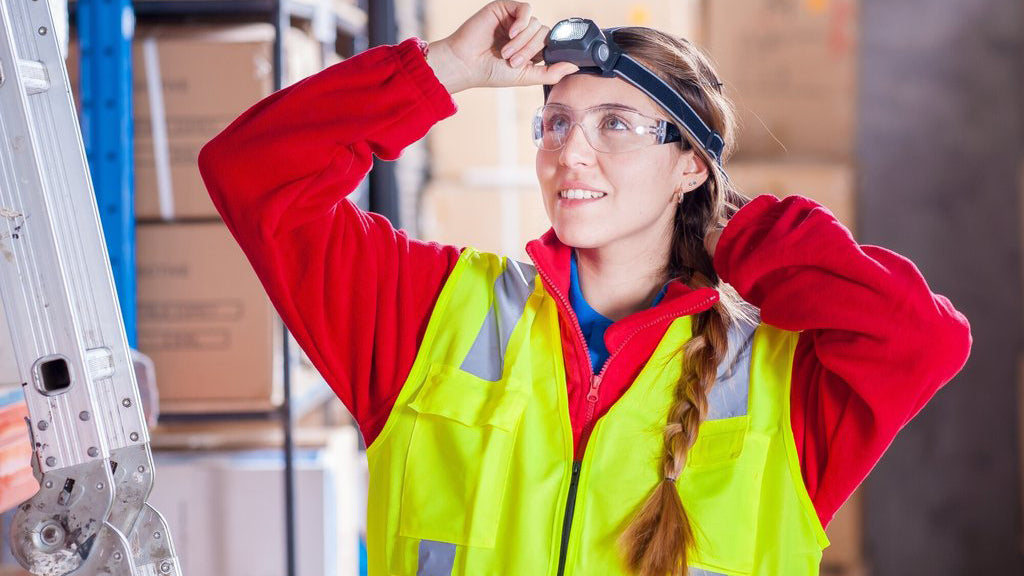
x=608, y=129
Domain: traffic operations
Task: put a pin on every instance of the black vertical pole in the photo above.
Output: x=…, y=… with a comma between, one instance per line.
x=282, y=21
x=383, y=29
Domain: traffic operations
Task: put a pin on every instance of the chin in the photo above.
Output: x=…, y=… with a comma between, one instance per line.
x=578, y=236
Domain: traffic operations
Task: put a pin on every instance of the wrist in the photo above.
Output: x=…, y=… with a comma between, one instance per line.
x=444, y=64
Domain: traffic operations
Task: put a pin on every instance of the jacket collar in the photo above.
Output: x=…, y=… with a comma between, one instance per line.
x=552, y=259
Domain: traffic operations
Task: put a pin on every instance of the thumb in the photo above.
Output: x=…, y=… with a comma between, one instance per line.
x=548, y=74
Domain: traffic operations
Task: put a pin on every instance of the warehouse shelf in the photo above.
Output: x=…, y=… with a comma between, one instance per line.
x=338, y=27
x=347, y=18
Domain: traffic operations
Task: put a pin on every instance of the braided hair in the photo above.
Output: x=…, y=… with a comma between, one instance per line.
x=658, y=540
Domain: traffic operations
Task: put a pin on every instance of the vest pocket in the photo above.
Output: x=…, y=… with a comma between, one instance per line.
x=721, y=491
x=458, y=460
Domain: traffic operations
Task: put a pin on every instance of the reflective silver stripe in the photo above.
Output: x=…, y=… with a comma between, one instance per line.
x=486, y=358
x=728, y=397
x=435, y=558
x=701, y=572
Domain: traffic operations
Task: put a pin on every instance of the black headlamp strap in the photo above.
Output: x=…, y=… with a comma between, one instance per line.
x=636, y=74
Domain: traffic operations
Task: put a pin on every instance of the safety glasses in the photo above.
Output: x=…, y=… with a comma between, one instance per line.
x=607, y=128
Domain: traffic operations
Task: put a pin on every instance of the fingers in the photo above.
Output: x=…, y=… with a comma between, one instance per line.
x=533, y=48
x=523, y=15
x=517, y=51
x=547, y=74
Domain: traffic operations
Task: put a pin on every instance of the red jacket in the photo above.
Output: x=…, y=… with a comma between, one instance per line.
x=876, y=343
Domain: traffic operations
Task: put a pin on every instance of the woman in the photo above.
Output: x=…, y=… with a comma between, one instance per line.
x=615, y=407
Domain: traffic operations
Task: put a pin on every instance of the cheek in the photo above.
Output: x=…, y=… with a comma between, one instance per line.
x=546, y=167
x=546, y=164
x=641, y=179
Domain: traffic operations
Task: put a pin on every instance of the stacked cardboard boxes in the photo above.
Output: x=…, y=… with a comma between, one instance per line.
x=189, y=83
x=203, y=316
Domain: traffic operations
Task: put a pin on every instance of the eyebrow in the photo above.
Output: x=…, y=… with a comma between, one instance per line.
x=618, y=105
x=613, y=104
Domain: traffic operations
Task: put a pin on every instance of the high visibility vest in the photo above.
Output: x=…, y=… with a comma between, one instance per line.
x=473, y=473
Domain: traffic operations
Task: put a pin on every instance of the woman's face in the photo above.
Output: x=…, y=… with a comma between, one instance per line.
x=640, y=186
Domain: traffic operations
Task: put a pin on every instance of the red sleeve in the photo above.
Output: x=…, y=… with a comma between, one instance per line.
x=876, y=342
x=355, y=292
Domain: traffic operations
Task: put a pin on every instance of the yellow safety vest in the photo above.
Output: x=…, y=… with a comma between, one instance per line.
x=473, y=473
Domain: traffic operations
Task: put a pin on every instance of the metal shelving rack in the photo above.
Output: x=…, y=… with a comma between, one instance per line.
x=105, y=29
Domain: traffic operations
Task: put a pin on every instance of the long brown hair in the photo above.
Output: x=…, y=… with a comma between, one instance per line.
x=658, y=540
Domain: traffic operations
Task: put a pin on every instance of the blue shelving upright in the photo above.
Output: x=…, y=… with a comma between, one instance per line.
x=105, y=30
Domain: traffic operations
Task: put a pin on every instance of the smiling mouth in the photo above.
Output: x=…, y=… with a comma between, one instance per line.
x=577, y=194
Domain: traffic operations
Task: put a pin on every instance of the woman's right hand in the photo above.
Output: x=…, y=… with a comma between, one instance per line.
x=500, y=45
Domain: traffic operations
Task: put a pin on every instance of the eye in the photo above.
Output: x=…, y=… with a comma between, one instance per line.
x=613, y=122
x=557, y=122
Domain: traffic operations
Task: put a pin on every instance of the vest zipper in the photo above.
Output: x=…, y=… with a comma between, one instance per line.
x=570, y=506
x=592, y=397
x=595, y=379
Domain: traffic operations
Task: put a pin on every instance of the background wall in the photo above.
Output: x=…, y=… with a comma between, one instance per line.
x=940, y=158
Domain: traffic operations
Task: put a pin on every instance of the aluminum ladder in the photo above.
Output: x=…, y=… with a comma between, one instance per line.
x=91, y=444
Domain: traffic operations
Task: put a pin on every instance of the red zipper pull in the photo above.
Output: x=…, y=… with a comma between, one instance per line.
x=595, y=383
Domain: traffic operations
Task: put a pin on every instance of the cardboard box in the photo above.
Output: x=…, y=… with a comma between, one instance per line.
x=790, y=64
x=498, y=220
x=209, y=76
x=226, y=509
x=205, y=320
x=828, y=183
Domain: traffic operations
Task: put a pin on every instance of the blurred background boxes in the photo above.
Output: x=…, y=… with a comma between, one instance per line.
x=831, y=184
x=489, y=218
x=226, y=508
x=209, y=74
x=207, y=323
x=790, y=67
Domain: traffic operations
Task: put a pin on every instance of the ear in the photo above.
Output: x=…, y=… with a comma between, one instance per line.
x=693, y=172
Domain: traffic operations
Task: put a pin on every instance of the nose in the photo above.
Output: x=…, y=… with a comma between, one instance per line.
x=577, y=149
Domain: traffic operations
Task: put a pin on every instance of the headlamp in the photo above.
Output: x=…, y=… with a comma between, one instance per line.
x=581, y=42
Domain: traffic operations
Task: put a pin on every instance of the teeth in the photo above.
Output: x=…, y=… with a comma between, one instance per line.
x=575, y=194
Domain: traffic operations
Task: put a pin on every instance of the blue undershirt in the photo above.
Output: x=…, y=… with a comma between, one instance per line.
x=591, y=321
